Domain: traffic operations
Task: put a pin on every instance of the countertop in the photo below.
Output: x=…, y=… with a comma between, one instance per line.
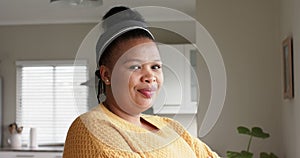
x=38, y=149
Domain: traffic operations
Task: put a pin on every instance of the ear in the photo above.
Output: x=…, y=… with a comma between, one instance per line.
x=105, y=74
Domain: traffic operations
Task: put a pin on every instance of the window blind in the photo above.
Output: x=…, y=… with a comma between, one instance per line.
x=46, y=100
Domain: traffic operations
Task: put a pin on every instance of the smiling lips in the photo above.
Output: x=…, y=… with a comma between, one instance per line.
x=147, y=92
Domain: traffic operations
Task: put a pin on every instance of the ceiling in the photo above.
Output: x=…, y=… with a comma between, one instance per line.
x=20, y=12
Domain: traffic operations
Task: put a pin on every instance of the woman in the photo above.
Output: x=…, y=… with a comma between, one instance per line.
x=129, y=68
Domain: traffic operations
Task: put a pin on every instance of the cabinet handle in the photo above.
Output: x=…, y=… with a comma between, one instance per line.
x=24, y=156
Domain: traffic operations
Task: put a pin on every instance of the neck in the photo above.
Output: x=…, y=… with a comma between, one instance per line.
x=114, y=108
x=132, y=118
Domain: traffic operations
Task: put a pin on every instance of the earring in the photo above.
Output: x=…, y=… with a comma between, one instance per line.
x=102, y=98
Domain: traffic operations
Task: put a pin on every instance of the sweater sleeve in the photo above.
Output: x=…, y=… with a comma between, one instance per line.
x=80, y=143
x=202, y=150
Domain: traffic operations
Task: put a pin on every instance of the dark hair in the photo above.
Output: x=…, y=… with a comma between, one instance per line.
x=114, y=10
x=136, y=33
x=107, y=53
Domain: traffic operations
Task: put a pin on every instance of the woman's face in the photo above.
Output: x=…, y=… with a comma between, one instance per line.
x=137, y=74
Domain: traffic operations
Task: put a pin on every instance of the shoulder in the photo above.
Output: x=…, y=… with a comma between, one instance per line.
x=94, y=114
x=88, y=125
x=89, y=134
x=203, y=150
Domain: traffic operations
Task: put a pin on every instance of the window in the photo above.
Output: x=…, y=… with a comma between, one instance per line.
x=49, y=97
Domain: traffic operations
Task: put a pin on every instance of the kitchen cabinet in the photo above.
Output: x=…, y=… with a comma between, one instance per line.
x=180, y=89
x=25, y=154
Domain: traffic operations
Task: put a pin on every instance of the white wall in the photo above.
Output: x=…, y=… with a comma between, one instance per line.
x=247, y=34
x=33, y=42
x=290, y=25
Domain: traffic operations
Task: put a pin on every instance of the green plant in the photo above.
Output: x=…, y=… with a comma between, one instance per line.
x=254, y=132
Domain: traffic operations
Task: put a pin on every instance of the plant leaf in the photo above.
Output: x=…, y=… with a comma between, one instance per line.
x=258, y=132
x=264, y=155
x=232, y=154
x=246, y=154
x=242, y=154
x=243, y=130
x=272, y=155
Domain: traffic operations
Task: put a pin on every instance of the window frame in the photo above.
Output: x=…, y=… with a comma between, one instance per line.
x=44, y=63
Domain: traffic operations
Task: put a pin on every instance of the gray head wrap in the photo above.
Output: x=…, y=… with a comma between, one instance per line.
x=116, y=25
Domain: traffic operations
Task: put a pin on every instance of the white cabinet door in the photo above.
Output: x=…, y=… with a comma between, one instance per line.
x=7, y=155
x=11, y=154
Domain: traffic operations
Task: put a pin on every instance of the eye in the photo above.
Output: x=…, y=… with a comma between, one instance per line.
x=135, y=67
x=157, y=66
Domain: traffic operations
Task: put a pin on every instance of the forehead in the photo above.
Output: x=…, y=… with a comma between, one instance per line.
x=138, y=49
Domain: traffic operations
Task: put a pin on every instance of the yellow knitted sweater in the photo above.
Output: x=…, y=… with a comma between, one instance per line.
x=101, y=134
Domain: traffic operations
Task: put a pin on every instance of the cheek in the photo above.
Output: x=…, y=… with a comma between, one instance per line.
x=133, y=80
x=124, y=79
x=160, y=79
x=119, y=79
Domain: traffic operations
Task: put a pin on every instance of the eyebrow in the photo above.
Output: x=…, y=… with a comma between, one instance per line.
x=139, y=60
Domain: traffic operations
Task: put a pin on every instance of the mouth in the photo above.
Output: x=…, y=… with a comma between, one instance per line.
x=147, y=92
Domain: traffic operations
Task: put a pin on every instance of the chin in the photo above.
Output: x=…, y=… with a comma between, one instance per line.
x=144, y=105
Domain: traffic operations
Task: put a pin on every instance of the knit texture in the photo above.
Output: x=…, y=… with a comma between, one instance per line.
x=101, y=134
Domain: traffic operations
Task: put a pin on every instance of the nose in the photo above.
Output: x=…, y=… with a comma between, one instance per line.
x=148, y=76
